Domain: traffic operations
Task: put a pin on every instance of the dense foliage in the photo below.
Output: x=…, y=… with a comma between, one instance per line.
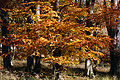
x=34, y=34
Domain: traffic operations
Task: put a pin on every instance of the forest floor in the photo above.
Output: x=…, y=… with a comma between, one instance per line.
x=73, y=72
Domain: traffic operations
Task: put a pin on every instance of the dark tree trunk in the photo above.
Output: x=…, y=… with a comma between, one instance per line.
x=113, y=32
x=29, y=63
x=37, y=66
x=119, y=56
x=113, y=55
x=56, y=67
x=30, y=59
x=88, y=33
x=6, y=59
x=33, y=63
x=104, y=2
x=57, y=52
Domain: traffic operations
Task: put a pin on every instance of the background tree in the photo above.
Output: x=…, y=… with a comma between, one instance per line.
x=108, y=16
x=113, y=32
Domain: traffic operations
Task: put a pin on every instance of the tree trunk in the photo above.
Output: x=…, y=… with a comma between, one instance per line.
x=29, y=63
x=114, y=55
x=119, y=34
x=30, y=59
x=37, y=66
x=56, y=67
x=57, y=52
x=113, y=32
x=6, y=59
x=88, y=63
x=89, y=68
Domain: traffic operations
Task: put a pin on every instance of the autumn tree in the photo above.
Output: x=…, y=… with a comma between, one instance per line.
x=45, y=34
x=113, y=32
x=107, y=17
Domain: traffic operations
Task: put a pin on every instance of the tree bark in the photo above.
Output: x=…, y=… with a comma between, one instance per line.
x=88, y=33
x=57, y=51
x=37, y=66
x=89, y=23
x=56, y=67
x=119, y=34
x=6, y=59
x=30, y=59
x=29, y=63
x=113, y=55
x=113, y=32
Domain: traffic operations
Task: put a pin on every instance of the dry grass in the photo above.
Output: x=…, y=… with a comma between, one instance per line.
x=75, y=72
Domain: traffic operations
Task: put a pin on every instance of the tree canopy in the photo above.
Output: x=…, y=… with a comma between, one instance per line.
x=34, y=34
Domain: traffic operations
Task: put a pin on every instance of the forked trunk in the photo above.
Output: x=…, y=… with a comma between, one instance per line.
x=31, y=63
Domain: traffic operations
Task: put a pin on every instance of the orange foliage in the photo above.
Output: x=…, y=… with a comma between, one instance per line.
x=43, y=35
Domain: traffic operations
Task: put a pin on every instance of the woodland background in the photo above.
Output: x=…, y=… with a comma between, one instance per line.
x=53, y=39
